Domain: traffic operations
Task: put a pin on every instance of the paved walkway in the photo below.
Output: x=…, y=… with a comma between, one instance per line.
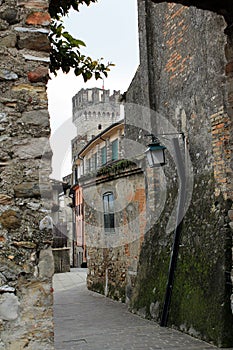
x=88, y=321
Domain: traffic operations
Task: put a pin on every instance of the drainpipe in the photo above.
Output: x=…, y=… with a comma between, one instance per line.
x=180, y=164
x=73, y=236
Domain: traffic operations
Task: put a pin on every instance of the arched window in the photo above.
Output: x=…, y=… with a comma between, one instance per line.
x=109, y=220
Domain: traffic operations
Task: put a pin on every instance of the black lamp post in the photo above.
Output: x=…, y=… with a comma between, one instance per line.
x=156, y=157
x=155, y=153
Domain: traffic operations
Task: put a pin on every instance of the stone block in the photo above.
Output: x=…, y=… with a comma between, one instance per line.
x=27, y=190
x=6, y=74
x=10, y=15
x=46, y=223
x=35, y=148
x=5, y=199
x=25, y=244
x=35, y=41
x=46, y=264
x=10, y=220
x=9, y=307
x=19, y=344
x=40, y=74
x=230, y=214
x=38, y=117
x=8, y=40
x=21, y=88
x=33, y=4
x=36, y=58
x=38, y=18
x=3, y=24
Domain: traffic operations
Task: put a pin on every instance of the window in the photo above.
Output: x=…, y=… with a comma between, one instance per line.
x=109, y=221
x=79, y=209
x=75, y=178
x=89, y=165
x=89, y=95
x=95, y=161
x=115, y=150
x=104, y=155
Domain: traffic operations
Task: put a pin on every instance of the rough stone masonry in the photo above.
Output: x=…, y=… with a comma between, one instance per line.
x=26, y=263
x=186, y=66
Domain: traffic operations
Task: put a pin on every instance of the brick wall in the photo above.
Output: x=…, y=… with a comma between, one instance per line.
x=189, y=91
x=26, y=266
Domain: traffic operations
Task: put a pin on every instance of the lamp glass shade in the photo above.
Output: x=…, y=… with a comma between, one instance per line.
x=155, y=155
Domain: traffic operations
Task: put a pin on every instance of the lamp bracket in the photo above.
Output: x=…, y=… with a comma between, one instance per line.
x=155, y=138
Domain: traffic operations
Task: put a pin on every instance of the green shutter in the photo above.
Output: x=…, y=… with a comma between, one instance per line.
x=95, y=161
x=104, y=155
x=115, y=150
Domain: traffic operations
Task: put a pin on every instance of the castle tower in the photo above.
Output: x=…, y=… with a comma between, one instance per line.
x=93, y=111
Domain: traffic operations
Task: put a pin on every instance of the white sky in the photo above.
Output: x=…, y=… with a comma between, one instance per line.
x=109, y=29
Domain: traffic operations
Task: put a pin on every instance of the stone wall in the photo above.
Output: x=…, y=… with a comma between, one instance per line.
x=112, y=257
x=26, y=266
x=189, y=92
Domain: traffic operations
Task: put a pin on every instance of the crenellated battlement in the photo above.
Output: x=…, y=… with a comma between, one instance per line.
x=94, y=110
x=88, y=97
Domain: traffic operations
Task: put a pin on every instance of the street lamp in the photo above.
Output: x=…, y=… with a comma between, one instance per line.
x=155, y=153
x=156, y=157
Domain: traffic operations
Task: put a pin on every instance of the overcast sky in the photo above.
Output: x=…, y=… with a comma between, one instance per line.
x=109, y=29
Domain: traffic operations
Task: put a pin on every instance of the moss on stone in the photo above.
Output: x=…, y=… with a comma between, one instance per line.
x=98, y=288
x=200, y=302
x=116, y=293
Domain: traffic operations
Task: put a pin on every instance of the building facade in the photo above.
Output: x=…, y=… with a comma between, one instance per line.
x=111, y=213
x=93, y=111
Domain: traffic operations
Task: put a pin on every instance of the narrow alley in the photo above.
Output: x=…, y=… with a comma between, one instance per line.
x=88, y=321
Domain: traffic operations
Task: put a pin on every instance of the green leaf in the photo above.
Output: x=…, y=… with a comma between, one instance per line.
x=65, y=49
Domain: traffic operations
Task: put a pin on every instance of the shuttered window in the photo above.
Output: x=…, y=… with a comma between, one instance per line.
x=95, y=161
x=115, y=150
x=104, y=155
x=89, y=165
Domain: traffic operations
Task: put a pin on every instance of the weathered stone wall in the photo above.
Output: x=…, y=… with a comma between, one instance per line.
x=26, y=266
x=112, y=257
x=188, y=89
